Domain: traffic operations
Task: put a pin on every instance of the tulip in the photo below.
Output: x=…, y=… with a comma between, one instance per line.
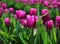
x=22, y=14
x=16, y=17
x=30, y=21
x=0, y=12
x=7, y=22
x=58, y=4
x=47, y=16
x=49, y=24
x=58, y=21
x=41, y=1
x=50, y=6
x=54, y=3
x=4, y=5
x=11, y=10
x=33, y=11
x=23, y=22
x=6, y=11
x=32, y=2
x=46, y=3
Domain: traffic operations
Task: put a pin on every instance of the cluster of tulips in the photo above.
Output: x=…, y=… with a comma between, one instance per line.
x=31, y=19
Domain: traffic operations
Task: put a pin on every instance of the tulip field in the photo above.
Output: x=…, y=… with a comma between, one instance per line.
x=29, y=21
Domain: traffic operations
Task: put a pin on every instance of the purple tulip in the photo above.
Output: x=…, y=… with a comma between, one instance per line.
x=7, y=21
x=49, y=24
x=36, y=1
x=54, y=3
x=0, y=12
x=22, y=14
x=11, y=10
x=58, y=21
x=58, y=4
x=47, y=16
x=4, y=5
x=36, y=17
x=41, y=1
x=33, y=11
x=32, y=2
x=16, y=17
x=46, y=3
x=23, y=22
x=6, y=11
x=30, y=21
x=50, y=6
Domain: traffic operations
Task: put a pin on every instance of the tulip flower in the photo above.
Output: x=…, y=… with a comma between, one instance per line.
x=49, y=24
x=46, y=3
x=23, y=22
x=47, y=16
x=11, y=10
x=0, y=12
x=22, y=14
x=58, y=21
x=4, y=5
x=58, y=4
x=54, y=3
x=30, y=21
x=6, y=11
x=7, y=22
x=33, y=11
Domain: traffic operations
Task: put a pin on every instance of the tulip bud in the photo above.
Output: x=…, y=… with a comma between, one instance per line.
x=4, y=5
x=16, y=17
x=50, y=6
x=22, y=14
x=6, y=11
x=23, y=22
x=41, y=1
x=31, y=21
x=49, y=24
x=11, y=10
x=33, y=11
x=54, y=3
x=32, y=2
x=58, y=4
x=46, y=17
x=58, y=21
x=7, y=22
x=46, y=3
x=0, y=12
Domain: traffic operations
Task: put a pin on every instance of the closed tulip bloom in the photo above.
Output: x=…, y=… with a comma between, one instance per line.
x=33, y=11
x=0, y=12
x=49, y=24
x=36, y=1
x=30, y=21
x=7, y=21
x=4, y=5
x=32, y=2
x=22, y=14
x=41, y=1
x=58, y=21
x=46, y=3
x=6, y=11
x=54, y=3
x=23, y=22
x=50, y=6
x=47, y=16
x=36, y=17
x=58, y=4
x=11, y=10
x=16, y=17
